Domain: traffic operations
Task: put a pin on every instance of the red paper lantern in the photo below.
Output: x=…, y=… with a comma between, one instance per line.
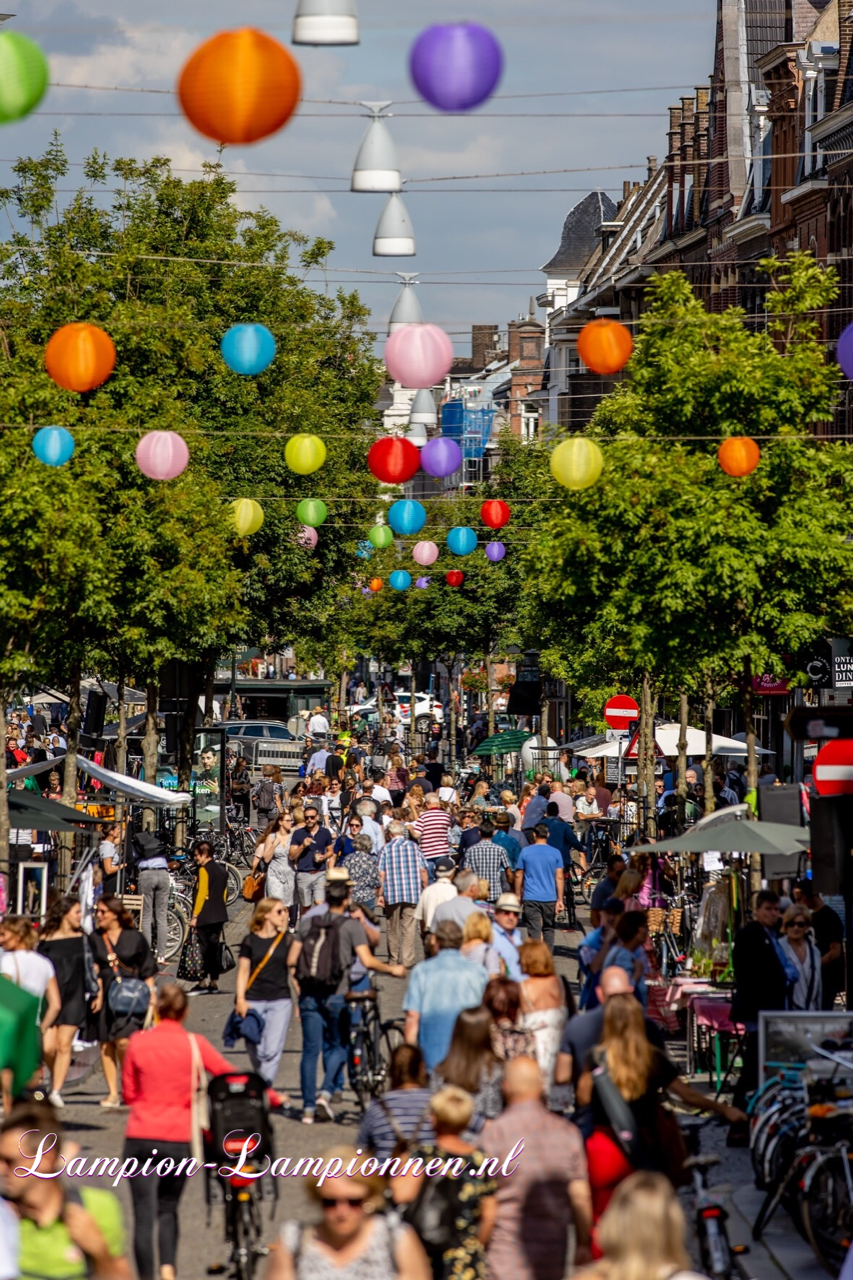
x=393, y=461
x=80, y=357
x=605, y=346
x=375, y=584
x=454, y=578
x=239, y=86
x=495, y=513
x=738, y=455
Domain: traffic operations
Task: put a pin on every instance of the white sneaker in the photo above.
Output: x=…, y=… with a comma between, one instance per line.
x=324, y=1107
x=55, y=1099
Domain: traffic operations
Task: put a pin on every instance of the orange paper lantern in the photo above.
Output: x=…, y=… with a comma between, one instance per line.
x=605, y=346
x=239, y=86
x=375, y=584
x=738, y=455
x=79, y=357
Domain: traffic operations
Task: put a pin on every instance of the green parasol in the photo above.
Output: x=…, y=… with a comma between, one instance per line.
x=20, y=1042
x=501, y=744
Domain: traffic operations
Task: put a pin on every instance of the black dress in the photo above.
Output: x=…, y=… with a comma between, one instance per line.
x=135, y=960
x=67, y=957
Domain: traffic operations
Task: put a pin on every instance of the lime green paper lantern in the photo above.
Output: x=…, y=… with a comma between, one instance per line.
x=577, y=463
x=381, y=536
x=24, y=76
x=248, y=516
x=304, y=453
x=311, y=511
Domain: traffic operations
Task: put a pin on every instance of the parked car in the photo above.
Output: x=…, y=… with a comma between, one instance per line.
x=249, y=730
x=427, y=709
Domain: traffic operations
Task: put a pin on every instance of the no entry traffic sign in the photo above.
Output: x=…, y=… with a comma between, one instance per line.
x=620, y=711
x=833, y=768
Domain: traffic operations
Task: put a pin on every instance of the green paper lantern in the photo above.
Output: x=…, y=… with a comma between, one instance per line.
x=311, y=511
x=381, y=536
x=304, y=453
x=24, y=76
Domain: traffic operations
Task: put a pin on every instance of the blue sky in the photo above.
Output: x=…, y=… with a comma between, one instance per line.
x=478, y=250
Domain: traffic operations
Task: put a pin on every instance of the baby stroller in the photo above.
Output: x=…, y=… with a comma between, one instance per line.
x=239, y=1110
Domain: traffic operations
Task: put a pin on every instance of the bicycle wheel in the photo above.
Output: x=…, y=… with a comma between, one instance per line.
x=826, y=1207
x=235, y=884
x=247, y=1230
x=392, y=1036
x=177, y=927
x=589, y=882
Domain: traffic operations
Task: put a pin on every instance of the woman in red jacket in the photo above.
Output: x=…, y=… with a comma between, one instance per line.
x=160, y=1073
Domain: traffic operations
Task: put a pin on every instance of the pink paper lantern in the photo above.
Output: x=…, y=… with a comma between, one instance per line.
x=162, y=455
x=307, y=537
x=419, y=355
x=425, y=553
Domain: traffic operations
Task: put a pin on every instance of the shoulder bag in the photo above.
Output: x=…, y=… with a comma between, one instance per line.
x=619, y=1115
x=253, y=884
x=89, y=970
x=233, y=1027
x=276, y=940
x=128, y=996
x=199, y=1111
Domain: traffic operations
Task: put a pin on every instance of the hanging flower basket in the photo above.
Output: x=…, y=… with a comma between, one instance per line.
x=476, y=681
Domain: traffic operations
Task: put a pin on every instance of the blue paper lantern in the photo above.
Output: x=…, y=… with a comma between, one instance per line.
x=364, y=550
x=495, y=551
x=53, y=446
x=400, y=580
x=248, y=349
x=462, y=541
x=406, y=517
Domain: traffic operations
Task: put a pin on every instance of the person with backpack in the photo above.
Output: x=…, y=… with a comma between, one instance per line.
x=320, y=960
x=453, y=1215
x=267, y=795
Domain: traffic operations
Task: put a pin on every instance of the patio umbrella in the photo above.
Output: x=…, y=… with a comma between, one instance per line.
x=502, y=744
x=20, y=1043
x=26, y=809
x=737, y=836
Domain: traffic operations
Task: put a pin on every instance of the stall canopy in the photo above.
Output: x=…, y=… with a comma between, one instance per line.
x=666, y=736
x=736, y=835
x=502, y=744
x=134, y=788
x=26, y=809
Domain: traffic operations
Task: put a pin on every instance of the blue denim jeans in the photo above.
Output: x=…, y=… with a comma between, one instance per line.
x=266, y=1056
x=325, y=1028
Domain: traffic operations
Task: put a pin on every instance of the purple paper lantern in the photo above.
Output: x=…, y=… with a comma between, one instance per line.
x=844, y=351
x=495, y=551
x=441, y=457
x=456, y=65
x=422, y=582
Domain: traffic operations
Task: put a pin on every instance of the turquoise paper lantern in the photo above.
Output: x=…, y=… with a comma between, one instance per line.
x=248, y=349
x=406, y=517
x=400, y=580
x=53, y=446
x=462, y=541
x=364, y=550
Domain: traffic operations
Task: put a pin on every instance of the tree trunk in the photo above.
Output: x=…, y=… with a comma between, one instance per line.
x=749, y=726
x=186, y=734
x=69, y=780
x=413, y=683
x=648, y=728
x=121, y=741
x=707, y=774
x=452, y=701
x=490, y=695
x=4, y=794
x=342, y=695
x=208, y=694
x=150, y=749
x=681, y=774
x=380, y=704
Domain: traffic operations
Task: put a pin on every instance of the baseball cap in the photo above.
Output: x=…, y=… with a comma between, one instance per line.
x=508, y=902
x=421, y=768
x=444, y=866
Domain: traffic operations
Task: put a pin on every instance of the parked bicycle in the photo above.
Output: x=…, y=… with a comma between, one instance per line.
x=371, y=1045
x=710, y=1215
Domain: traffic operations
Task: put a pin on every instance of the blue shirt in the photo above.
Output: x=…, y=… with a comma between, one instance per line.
x=506, y=945
x=622, y=958
x=439, y=989
x=540, y=864
x=509, y=842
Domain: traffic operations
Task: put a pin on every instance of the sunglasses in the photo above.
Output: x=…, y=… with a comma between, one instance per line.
x=798, y=924
x=356, y=1202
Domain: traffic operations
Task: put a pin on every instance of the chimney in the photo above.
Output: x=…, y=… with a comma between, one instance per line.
x=484, y=338
x=673, y=142
x=626, y=188
x=513, y=340
x=652, y=166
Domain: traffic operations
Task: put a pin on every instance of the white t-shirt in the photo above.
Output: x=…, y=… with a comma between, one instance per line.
x=433, y=896
x=28, y=970
x=317, y=725
x=380, y=793
x=107, y=849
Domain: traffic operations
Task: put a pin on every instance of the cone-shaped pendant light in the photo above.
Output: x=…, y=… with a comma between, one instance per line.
x=423, y=411
x=376, y=166
x=325, y=22
x=417, y=434
x=406, y=309
x=395, y=237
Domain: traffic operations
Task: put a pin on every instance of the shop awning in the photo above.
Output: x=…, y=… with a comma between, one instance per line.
x=132, y=787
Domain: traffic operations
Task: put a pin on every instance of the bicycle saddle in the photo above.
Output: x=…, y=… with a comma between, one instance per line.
x=354, y=996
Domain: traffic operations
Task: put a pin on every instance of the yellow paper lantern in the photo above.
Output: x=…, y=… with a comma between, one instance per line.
x=248, y=516
x=304, y=453
x=577, y=463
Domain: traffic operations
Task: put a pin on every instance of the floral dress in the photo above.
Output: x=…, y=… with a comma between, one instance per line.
x=466, y=1260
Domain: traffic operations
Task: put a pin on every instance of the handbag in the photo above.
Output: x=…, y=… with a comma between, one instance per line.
x=127, y=996
x=191, y=963
x=199, y=1110
x=253, y=885
x=226, y=958
x=90, y=972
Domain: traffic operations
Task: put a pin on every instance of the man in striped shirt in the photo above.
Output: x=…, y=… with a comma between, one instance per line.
x=432, y=831
x=403, y=873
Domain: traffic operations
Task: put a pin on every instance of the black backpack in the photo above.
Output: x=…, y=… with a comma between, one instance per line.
x=432, y=1215
x=265, y=800
x=319, y=963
